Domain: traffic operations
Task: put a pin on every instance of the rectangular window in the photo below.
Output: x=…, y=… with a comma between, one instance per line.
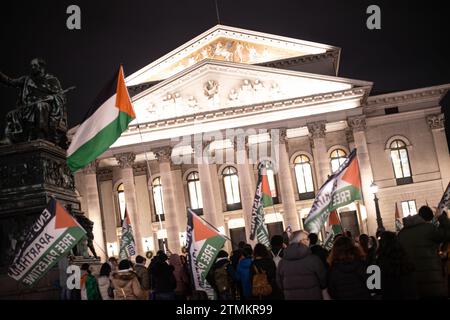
x=409, y=208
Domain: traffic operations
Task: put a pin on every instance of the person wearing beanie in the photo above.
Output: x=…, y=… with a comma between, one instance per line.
x=126, y=284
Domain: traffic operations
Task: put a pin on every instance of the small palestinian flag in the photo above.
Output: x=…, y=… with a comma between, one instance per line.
x=203, y=244
x=263, y=198
x=341, y=189
x=127, y=245
x=108, y=117
x=398, y=219
x=334, y=228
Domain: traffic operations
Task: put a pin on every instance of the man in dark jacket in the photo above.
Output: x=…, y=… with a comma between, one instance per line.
x=163, y=280
x=317, y=249
x=421, y=241
x=301, y=275
x=220, y=277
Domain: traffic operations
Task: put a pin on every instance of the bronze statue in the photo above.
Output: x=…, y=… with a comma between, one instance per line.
x=40, y=111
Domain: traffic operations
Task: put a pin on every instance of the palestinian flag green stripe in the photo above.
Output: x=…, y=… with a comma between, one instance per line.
x=208, y=253
x=90, y=150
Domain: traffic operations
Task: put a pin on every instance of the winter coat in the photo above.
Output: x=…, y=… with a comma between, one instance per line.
x=348, y=281
x=126, y=286
x=397, y=287
x=103, y=284
x=301, y=275
x=181, y=277
x=267, y=265
x=421, y=242
x=321, y=253
x=142, y=274
x=163, y=280
x=223, y=271
x=243, y=275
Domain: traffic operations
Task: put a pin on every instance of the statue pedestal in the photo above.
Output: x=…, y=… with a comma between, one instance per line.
x=94, y=263
x=30, y=173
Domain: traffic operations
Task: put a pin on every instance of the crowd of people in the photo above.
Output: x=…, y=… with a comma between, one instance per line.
x=413, y=263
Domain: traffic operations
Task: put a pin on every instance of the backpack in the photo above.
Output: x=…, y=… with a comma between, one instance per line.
x=261, y=286
x=222, y=279
x=276, y=258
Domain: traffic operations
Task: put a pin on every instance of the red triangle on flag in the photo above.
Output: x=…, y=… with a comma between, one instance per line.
x=62, y=218
x=351, y=174
x=333, y=218
x=202, y=231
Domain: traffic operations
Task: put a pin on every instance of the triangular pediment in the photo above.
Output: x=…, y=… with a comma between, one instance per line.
x=215, y=85
x=229, y=44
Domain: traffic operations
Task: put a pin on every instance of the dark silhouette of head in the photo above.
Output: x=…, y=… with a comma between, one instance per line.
x=426, y=213
x=140, y=259
x=222, y=254
x=37, y=66
x=85, y=267
x=241, y=244
x=276, y=241
x=247, y=251
x=260, y=251
x=313, y=238
x=124, y=265
x=344, y=250
x=364, y=242
x=105, y=270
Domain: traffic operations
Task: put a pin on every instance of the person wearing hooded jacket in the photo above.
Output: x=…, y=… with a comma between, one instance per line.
x=126, y=284
x=301, y=275
x=421, y=240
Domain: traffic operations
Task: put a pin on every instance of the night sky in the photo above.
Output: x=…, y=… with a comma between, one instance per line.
x=410, y=51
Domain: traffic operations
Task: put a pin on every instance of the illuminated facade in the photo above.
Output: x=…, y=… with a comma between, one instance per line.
x=210, y=110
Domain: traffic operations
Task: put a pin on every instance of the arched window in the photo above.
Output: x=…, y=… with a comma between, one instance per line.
x=195, y=192
x=400, y=162
x=158, y=200
x=231, y=185
x=337, y=157
x=272, y=182
x=303, y=176
x=122, y=203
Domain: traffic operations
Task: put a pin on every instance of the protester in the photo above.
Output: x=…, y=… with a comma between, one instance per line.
x=317, y=249
x=221, y=276
x=347, y=276
x=301, y=275
x=104, y=282
x=397, y=270
x=181, y=277
x=126, y=284
x=276, y=248
x=263, y=263
x=163, y=280
x=88, y=284
x=421, y=240
x=243, y=272
x=142, y=273
x=112, y=261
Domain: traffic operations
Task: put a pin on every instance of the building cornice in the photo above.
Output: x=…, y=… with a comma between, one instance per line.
x=405, y=97
x=400, y=117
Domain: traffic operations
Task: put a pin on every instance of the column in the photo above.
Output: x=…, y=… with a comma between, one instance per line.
x=209, y=182
x=436, y=124
x=169, y=198
x=321, y=162
x=93, y=207
x=290, y=215
x=125, y=162
x=180, y=200
x=247, y=184
x=358, y=125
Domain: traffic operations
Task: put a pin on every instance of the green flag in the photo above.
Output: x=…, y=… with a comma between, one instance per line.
x=127, y=245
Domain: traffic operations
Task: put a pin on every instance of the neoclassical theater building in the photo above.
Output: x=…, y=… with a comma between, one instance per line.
x=212, y=109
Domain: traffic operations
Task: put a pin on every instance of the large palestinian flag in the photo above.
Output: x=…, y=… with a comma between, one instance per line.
x=341, y=189
x=108, y=117
x=127, y=245
x=203, y=244
x=263, y=198
x=50, y=238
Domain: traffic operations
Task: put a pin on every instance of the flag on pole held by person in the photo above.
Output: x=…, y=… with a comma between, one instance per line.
x=54, y=233
x=263, y=198
x=203, y=244
x=398, y=220
x=334, y=228
x=127, y=245
x=444, y=204
x=341, y=189
x=108, y=117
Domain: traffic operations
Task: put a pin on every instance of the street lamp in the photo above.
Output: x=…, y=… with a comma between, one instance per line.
x=374, y=189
